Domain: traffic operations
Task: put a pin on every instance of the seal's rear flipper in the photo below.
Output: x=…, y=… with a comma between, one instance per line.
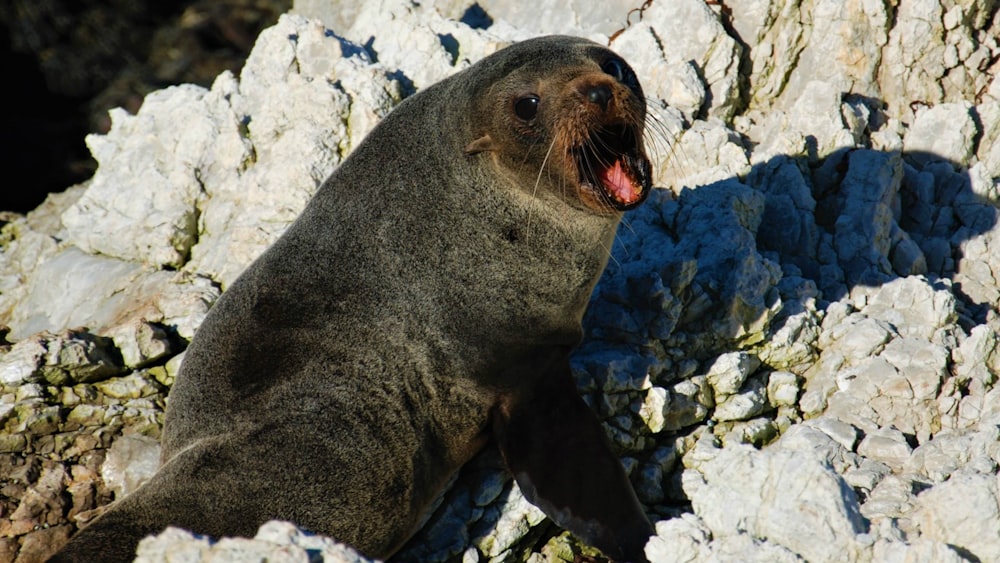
x=563, y=463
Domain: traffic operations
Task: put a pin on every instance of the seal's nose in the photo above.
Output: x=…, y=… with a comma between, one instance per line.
x=599, y=95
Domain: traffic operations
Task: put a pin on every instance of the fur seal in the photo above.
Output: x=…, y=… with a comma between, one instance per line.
x=424, y=304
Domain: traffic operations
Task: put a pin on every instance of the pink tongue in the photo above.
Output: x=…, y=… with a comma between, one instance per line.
x=618, y=183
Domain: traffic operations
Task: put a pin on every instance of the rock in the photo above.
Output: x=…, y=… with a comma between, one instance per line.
x=165, y=227
x=687, y=539
x=948, y=452
x=766, y=494
x=886, y=445
x=728, y=372
x=275, y=541
x=863, y=235
x=914, y=305
x=141, y=343
x=672, y=80
x=130, y=462
x=747, y=403
x=100, y=293
x=707, y=152
x=943, y=132
x=919, y=550
x=59, y=359
x=962, y=512
x=41, y=505
x=514, y=520
x=688, y=30
x=41, y=544
x=922, y=54
x=782, y=389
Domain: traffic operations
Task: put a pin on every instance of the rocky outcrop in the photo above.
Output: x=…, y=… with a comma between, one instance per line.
x=794, y=346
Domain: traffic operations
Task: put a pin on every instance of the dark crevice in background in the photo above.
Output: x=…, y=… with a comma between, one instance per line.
x=68, y=61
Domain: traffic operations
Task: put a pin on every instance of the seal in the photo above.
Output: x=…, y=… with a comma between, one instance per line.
x=423, y=305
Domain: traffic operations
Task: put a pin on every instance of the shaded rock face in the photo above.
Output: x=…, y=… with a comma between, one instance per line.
x=795, y=346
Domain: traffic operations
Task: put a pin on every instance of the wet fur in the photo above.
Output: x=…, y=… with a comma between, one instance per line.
x=403, y=321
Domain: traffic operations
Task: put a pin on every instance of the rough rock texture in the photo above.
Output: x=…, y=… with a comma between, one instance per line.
x=795, y=346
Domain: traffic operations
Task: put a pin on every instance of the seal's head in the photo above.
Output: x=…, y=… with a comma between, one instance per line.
x=572, y=112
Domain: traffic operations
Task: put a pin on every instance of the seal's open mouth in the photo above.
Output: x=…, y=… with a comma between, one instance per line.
x=611, y=164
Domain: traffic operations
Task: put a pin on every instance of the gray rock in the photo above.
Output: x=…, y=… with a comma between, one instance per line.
x=864, y=228
x=942, y=132
x=100, y=293
x=963, y=512
x=933, y=54
x=749, y=402
x=778, y=496
x=276, y=541
x=141, y=343
x=688, y=30
x=130, y=462
x=915, y=306
x=886, y=445
x=728, y=372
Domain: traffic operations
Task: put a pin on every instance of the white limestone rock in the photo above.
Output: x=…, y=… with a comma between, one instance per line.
x=276, y=541
x=131, y=461
x=688, y=30
x=782, y=389
x=101, y=293
x=24, y=249
x=963, y=512
x=778, y=496
x=141, y=343
x=687, y=539
x=936, y=52
x=950, y=451
x=302, y=96
x=942, y=132
x=915, y=306
x=728, y=372
x=707, y=152
x=813, y=126
x=147, y=183
x=886, y=445
x=825, y=40
x=748, y=402
x=666, y=77
x=917, y=550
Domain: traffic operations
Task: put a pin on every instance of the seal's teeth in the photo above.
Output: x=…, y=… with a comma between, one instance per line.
x=619, y=184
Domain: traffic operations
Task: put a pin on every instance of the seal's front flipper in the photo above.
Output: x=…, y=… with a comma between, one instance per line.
x=562, y=461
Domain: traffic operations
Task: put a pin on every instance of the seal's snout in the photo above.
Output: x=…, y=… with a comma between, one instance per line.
x=610, y=160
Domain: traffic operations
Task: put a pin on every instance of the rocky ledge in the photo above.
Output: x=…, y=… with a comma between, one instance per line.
x=794, y=346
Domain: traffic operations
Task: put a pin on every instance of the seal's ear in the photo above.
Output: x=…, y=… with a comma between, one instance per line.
x=562, y=461
x=482, y=144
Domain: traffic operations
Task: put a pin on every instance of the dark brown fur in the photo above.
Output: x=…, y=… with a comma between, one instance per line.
x=424, y=303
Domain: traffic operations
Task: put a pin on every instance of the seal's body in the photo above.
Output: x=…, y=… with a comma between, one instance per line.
x=423, y=304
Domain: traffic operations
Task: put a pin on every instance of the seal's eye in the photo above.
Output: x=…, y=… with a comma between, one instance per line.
x=620, y=72
x=526, y=107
